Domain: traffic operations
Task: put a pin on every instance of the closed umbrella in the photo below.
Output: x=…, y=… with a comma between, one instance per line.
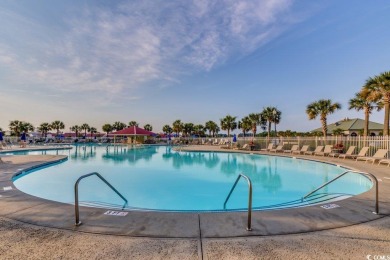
x=234, y=138
x=1, y=137
x=23, y=137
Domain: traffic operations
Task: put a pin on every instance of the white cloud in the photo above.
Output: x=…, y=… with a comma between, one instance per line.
x=120, y=48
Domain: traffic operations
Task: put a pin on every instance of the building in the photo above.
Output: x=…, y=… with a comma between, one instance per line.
x=353, y=127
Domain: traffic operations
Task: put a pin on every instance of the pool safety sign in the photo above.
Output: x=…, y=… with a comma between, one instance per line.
x=330, y=206
x=115, y=213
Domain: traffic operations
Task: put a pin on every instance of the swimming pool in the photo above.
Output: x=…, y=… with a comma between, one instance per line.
x=159, y=178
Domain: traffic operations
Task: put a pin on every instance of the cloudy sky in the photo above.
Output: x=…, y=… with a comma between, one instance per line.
x=156, y=61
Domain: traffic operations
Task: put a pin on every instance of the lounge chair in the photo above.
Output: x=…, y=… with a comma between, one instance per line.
x=349, y=152
x=244, y=147
x=317, y=150
x=327, y=150
x=380, y=154
x=362, y=153
x=303, y=150
x=384, y=161
x=294, y=148
x=270, y=146
x=277, y=149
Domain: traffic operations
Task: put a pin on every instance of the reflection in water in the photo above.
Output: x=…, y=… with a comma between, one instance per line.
x=130, y=154
x=83, y=152
x=180, y=159
x=261, y=170
x=271, y=179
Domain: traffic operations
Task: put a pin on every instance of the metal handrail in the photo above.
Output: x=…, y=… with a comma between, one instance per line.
x=249, y=223
x=76, y=194
x=342, y=174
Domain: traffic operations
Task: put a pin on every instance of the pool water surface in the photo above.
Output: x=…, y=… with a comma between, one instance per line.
x=159, y=178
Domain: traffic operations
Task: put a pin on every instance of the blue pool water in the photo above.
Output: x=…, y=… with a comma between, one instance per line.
x=159, y=178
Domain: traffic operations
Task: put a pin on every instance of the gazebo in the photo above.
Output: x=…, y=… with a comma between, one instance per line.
x=132, y=131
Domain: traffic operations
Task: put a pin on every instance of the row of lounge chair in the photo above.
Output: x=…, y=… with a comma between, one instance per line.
x=328, y=150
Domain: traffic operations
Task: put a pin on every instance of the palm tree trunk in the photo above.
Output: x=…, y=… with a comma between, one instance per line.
x=386, y=104
x=269, y=128
x=366, y=118
x=324, y=126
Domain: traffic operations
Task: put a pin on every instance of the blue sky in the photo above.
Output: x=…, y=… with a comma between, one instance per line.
x=154, y=62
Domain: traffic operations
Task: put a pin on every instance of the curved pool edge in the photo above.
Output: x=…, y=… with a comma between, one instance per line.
x=29, y=209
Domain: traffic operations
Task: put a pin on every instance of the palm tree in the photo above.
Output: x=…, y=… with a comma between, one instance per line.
x=177, y=127
x=167, y=129
x=75, y=129
x=361, y=101
x=256, y=119
x=118, y=125
x=133, y=123
x=188, y=128
x=26, y=127
x=17, y=127
x=378, y=89
x=57, y=125
x=85, y=127
x=211, y=126
x=14, y=126
x=148, y=127
x=277, y=116
x=322, y=108
x=199, y=130
x=268, y=116
x=107, y=128
x=44, y=128
x=229, y=123
x=92, y=130
x=245, y=125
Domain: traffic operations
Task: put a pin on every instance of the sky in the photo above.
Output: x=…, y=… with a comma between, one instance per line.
x=154, y=62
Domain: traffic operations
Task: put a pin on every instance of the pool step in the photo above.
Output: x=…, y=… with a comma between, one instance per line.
x=312, y=200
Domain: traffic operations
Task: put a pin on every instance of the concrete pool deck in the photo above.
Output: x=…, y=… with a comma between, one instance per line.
x=189, y=229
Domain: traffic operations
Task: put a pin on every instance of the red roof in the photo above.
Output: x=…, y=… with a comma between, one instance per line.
x=133, y=130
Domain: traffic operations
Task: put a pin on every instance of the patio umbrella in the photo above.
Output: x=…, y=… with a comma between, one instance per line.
x=234, y=138
x=23, y=137
x=1, y=136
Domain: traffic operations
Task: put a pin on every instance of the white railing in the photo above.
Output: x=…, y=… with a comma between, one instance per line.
x=374, y=142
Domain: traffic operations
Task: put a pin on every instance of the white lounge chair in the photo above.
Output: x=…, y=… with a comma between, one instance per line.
x=380, y=154
x=349, y=152
x=294, y=148
x=270, y=146
x=277, y=149
x=327, y=150
x=303, y=150
x=317, y=150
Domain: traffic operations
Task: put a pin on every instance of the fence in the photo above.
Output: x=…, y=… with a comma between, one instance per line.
x=374, y=142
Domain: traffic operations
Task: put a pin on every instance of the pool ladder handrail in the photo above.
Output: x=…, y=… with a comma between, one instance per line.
x=76, y=194
x=341, y=175
x=249, y=222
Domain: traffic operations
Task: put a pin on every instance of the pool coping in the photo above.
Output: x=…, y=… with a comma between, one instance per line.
x=22, y=207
